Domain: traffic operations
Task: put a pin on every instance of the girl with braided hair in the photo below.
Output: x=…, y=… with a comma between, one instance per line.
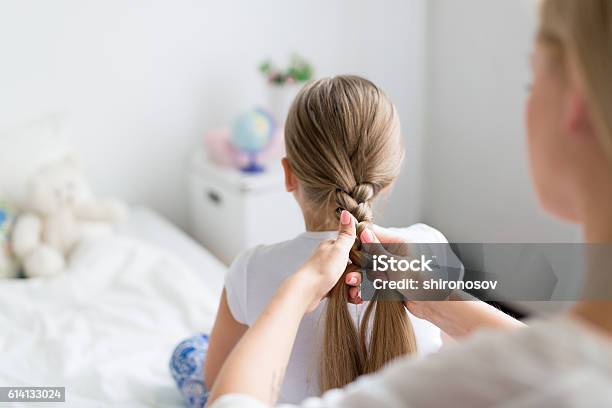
x=344, y=148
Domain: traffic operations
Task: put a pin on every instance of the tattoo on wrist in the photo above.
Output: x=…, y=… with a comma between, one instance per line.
x=277, y=382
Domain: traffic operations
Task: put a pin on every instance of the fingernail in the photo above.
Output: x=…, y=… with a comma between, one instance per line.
x=352, y=281
x=345, y=217
x=366, y=236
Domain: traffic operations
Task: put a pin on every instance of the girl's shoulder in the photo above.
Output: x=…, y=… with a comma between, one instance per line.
x=255, y=274
x=246, y=257
x=427, y=240
x=421, y=233
x=289, y=251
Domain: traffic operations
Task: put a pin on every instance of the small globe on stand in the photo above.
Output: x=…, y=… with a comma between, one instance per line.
x=252, y=132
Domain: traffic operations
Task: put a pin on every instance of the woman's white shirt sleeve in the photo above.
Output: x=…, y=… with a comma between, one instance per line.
x=553, y=363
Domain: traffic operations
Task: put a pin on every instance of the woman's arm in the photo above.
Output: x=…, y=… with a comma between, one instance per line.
x=458, y=316
x=256, y=366
x=225, y=335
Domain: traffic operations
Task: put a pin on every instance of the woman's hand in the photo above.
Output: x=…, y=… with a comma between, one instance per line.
x=396, y=245
x=457, y=313
x=328, y=263
x=389, y=241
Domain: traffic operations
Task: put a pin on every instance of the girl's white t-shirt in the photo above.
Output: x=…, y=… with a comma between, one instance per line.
x=256, y=274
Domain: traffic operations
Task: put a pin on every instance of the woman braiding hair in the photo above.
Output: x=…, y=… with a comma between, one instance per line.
x=565, y=360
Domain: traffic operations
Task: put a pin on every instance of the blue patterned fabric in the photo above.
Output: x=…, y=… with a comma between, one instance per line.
x=187, y=368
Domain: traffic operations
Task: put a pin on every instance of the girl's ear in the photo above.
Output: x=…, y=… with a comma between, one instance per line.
x=291, y=182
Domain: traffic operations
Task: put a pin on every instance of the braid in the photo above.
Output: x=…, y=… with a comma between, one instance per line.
x=343, y=143
x=390, y=322
x=358, y=203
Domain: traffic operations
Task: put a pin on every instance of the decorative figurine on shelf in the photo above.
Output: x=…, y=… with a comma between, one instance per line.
x=283, y=85
x=252, y=133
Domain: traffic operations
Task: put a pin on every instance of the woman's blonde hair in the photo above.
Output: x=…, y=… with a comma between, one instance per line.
x=343, y=143
x=581, y=32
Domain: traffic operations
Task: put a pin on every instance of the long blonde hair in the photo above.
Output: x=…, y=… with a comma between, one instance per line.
x=343, y=143
x=581, y=32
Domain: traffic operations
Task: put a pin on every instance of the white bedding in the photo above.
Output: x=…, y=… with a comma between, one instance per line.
x=105, y=330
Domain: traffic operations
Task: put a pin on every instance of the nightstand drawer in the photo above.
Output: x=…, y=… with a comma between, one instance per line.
x=215, y=217
x=229, y=215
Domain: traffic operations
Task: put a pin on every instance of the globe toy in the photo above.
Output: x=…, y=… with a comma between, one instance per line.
x=252, y=132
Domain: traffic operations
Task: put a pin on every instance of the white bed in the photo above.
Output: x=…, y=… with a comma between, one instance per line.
x=105, y=329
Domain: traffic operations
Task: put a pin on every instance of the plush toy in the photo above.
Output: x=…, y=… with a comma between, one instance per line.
x=60, y=203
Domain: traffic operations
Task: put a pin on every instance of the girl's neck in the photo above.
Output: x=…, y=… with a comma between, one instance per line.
x=316, y=225
x=318, y=219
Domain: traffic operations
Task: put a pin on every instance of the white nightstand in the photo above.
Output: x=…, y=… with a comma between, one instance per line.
x=231, y=211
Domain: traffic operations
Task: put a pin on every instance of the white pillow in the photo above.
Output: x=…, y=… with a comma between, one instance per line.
x=24, y=148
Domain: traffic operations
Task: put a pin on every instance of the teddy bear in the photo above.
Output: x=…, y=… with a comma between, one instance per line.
x=59, y=204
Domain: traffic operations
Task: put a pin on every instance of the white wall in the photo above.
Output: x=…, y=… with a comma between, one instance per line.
x=144, y=80
x=476, y=181
x=390, y=48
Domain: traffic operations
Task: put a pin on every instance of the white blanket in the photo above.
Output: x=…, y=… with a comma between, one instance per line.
x=106, y=329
